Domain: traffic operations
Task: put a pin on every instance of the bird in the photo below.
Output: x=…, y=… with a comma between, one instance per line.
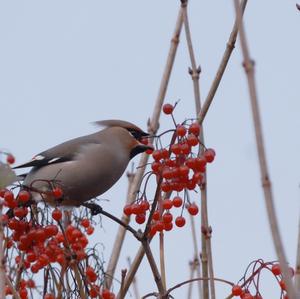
x=84, y=167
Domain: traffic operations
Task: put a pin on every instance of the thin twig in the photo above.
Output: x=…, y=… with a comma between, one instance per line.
x=197, y=279
x=266, y=183
x=222, y=67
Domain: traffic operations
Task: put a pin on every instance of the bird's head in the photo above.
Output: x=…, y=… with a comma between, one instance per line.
x=134, y=130
x=129, y=134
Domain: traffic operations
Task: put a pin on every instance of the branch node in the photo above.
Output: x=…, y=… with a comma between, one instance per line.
x=175, y=40
x=183, y=3
x=249, y=66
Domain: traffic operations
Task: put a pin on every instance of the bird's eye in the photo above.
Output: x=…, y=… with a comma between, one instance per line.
x=135, y=134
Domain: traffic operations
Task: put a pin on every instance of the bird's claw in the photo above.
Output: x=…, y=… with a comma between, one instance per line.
x=95, y=209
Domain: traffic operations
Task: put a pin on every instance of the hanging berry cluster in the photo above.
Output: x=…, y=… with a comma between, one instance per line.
x=178, y=167
x=249, y=286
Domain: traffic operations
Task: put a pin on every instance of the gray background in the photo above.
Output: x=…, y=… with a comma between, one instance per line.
x=64, y=64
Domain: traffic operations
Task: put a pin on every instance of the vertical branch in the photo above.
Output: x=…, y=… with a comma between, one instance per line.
x=190, y=285
x=153, y=125
x=207, y=264
x=114, y=257
x=195, y=263
x=167, y=71
x=222, y=67
x=266, y=183
x=154, y=269
x=132, y=270
x=162, y=259
x=134, y=283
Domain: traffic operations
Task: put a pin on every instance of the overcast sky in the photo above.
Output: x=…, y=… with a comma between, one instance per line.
x=64, y=64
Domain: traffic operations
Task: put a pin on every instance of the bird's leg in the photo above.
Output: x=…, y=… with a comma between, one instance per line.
x=95, y=209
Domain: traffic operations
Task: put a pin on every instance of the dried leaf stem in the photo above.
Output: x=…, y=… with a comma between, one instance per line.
x=266, y=183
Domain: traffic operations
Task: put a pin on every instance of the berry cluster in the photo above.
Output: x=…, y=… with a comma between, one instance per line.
x=39, y=241
x=243, y=290
x=180, y=167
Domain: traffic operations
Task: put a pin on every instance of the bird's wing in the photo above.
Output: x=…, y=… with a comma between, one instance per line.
x=63, y=152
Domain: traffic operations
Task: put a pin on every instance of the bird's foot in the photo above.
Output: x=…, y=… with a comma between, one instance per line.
x=95, y=209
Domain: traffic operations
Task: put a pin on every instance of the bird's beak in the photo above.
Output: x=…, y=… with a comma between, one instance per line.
x=139, y=148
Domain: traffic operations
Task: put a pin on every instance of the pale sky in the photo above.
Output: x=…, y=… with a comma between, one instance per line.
x=64, y=64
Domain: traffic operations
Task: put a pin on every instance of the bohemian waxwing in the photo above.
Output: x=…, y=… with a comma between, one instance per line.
x=87, y=166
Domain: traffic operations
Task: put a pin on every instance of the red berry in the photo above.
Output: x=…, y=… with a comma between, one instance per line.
x=276, y=269
x=175, y=148
x=177, y=201
x=167, y=217
x=194, y=129
x=20, y=212
x=8, y=196
x=236, y=290
x=167, y=204
x=193, y=209
x=57, y=192
x=90, y=273
x=157, y=155
x=127, y=210
x=10, y=159
x=159, y=226
x=149, y=151
x=90, y=230
x=31, y=257
x=200, y=164
x=140, y=218
x=247, y=296
x=180, y=130
x=105, y=294
x=282, y=285
x=192, y=140
x=137, y=209
x=51, y=230
x=85, y=222
x=49, y=296
x=168, y=108
x=57, y=214
x=156, y=215
x=30, y=283
x=185, y=148
x=180, y=221
x=156, y=167
x=145, y=205
x=23, y=293
x=24, y=196
x=168, y=226
x=209, y=155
